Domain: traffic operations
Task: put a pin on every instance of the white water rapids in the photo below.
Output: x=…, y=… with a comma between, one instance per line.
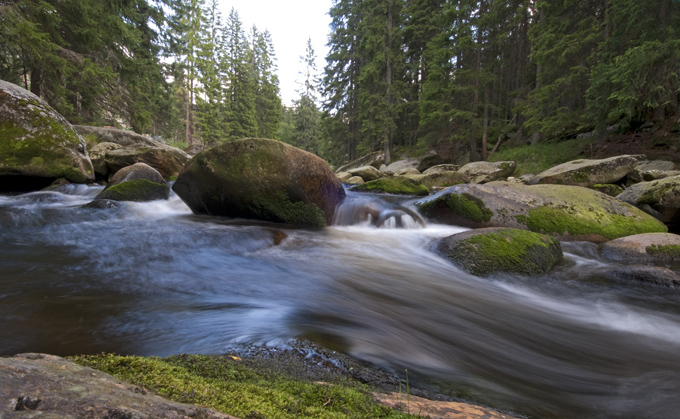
x=153, y=279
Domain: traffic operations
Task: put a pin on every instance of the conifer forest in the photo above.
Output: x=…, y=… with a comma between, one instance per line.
x=457, y=76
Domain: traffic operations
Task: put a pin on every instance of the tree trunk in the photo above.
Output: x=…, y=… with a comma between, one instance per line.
x=36, y=81
x=486, y=123
x=388, y=81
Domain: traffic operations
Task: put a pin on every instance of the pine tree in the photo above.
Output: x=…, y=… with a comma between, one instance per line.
x=268, y=107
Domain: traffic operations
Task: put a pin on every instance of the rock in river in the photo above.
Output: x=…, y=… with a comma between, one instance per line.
x=564, y=212
x=261, y=179
x=651, y=247
x=139, y=182
x=490, y=250
x=588, y=172
x=37, y=145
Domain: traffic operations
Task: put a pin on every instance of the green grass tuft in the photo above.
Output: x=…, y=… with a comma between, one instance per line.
x=543, y=156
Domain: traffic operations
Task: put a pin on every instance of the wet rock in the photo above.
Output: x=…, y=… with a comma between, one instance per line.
x=355, y=180
x=377, y=213
x=139, y=182
x=103, y=204
x=564, y=212
x=662, y=196
x=375, y=159
x=42, y=197
x=657, y=275
x=484, y=171
x=37, y=145
x=46, y=386
x=485, y=251
x=437, y=409
x=367, y=173
x=588, y=172
x=393, y=185
x=651, y=247
x=261, y=179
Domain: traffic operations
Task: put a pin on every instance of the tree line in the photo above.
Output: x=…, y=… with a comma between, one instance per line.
x=459, y=75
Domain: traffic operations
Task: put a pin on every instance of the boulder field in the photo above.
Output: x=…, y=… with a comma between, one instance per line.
x=261, y=179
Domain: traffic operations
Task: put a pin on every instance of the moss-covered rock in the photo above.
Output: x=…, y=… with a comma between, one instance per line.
x=588, y=172
x=607, y=188
x=484, y=171
x=660, y=198
x=440, y=179
x=37, y=145
x=647, y=171
x=492, y=250
x=393, y=184
x=261, y=179
x=652, y=247
x=139, y=182
x=564, y=212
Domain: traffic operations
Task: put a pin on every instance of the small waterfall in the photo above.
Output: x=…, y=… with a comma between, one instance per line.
x=373, y=211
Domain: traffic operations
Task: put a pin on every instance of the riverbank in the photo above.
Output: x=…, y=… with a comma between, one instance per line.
x=302, y=380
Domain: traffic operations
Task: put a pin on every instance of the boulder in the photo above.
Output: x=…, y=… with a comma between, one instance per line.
x=343, y=176
x=442, y=168
x=607, y=188
x=37, y=145
x=47, y=386
x=440, y=179
x=261, y=179
x=194, y=149
x=657, y=275
x=367, y=173
x=420, y=163
x=646, y=171
x=139, y=182
x=375, y=159
x=651, y=247
x=501, y=250
x=355, y=180
x=132, y=148
x=485, y=171
x=564, y=212
x=588, y=172
x=394, y=185
x=661, y=198
x=409, y=171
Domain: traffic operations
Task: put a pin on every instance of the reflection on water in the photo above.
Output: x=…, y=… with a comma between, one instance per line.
x=151, y=278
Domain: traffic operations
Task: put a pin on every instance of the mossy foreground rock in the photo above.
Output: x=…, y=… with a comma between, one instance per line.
x=491, y=250
x=37, y=145
x=46, y=386
x=261, y=179
x=139, y=182
x=588, y=172
x=652, y=247
x=564, y=212
x=661, y=198
x=393, y=184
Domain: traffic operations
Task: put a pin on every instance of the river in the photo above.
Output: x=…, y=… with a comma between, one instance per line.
x=154, y=279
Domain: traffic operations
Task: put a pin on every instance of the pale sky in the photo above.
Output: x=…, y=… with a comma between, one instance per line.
x=290, y=23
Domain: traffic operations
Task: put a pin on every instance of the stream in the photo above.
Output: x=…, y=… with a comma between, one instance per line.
x=154, y=279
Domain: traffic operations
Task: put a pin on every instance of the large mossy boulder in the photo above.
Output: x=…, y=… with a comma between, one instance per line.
x=37, y=145
x=588, y=172
x=139, y=182
x=486, y=251
x=261, y=179
x=651, y=247
x=564, y=212
x=440, y=179
x=393, y=185
x=485, y=171
x=661, y=198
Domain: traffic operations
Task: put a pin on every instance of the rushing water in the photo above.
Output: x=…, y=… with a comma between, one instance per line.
x=153, y=279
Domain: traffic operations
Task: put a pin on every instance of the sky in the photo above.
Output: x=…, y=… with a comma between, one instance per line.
x=290, y=23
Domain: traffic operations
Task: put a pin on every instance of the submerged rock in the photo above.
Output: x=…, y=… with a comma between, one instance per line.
x=394, y=185
x=657, y=275
x=37, y=385
x=485, y=172
x=588, y=172
x=261, y=179
x=139, y=182
x=37, y=145
x=564, y=212
x=651, y=247
x=486, y=251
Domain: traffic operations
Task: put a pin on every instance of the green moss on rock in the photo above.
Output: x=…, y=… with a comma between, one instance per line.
x=560, y=221
x=394, y=185
x=139, y=190
x=464, y=205
x=486, y=251
x=671, y=251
